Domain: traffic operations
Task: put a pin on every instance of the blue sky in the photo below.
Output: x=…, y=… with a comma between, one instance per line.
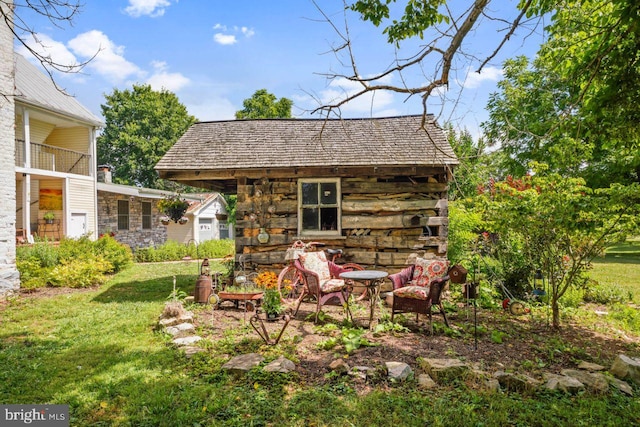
x=213, y=54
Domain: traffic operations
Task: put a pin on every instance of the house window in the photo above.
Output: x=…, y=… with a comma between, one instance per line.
x=146, y=215
x=319, y=206
x=123, y=214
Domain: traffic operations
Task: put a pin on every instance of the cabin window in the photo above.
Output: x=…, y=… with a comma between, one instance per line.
x=319, y=206
x=123, y=214
x=146, y=215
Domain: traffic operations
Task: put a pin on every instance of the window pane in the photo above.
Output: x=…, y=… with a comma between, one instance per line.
x=123, y=214
x=329, y=218
x=146, y=215
x=309, y=193
x=310, y=219
x=328, y=193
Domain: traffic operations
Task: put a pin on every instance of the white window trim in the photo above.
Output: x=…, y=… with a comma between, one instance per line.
x=320, y=233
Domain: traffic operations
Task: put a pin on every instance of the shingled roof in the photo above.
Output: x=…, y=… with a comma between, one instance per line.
x=286, y=143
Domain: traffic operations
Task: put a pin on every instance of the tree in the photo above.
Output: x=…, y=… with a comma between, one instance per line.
x=446, y=30
x=140, y=126
x=560, y=223
x=263, y=105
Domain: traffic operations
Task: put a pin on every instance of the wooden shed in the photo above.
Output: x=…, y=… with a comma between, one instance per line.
x=376, y=187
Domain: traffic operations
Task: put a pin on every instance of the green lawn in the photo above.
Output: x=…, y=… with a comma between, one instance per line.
x=98, y=351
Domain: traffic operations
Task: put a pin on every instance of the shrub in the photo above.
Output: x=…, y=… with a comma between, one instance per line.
x=119, y=255
x=80, y=273
x=174, y=251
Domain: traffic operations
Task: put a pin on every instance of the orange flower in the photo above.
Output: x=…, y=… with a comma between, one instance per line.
x=267, y=280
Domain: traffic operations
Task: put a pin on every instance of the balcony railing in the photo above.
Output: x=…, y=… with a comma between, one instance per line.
x=52, y=158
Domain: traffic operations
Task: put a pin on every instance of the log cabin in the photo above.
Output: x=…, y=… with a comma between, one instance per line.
x=375, y=187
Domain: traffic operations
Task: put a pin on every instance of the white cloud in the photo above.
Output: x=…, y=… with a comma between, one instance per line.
x=224, y=39
x=161, y=79
x=47, y=47
x=371, y=103
x=474, y=80
x=227, y=36
x=152, y=8
x=109, y=59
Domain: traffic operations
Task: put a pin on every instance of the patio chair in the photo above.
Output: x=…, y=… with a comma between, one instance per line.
x=321, y=281
x=417, y=288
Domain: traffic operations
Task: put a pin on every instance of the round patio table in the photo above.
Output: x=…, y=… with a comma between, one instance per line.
x=371, y=279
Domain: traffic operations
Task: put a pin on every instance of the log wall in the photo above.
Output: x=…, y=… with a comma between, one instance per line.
x=383, y=220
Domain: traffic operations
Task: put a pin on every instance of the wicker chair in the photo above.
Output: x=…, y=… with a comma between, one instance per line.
x=321, y=281
x=417, y=288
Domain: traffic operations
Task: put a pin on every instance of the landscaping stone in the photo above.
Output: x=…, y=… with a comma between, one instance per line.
x=491, y=384
x=169, y=321
x=190, y=350
x=621, y=386
x=184, y=341
x=591, y=367
x=626, y=368
x=518, y=383
x=595, y=382
x=181, y=330
x=398, y=371
x=339, y=366
x=563, y=382
x=243, y=363
x=444, y=370
x=361, y=372
x=426, y=382
x=281, y=365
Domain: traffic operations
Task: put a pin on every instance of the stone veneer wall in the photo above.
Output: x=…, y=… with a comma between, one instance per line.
x=135, y=237
x=9, y=275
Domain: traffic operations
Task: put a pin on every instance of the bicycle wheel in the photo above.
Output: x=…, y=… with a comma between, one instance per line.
x=351, y=266
x=289, y=284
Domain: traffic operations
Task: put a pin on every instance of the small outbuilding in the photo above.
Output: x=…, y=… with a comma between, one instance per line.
x=376, y=187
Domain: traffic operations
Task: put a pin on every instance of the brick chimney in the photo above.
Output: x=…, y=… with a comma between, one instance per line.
x=104, y=174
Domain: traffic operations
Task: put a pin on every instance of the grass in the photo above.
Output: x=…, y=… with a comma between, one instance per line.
x=99, y=352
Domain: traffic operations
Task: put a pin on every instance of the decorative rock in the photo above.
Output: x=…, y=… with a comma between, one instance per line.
x=339, y=366
x=181, y=330
x=595, y=382
x=281, y=365
x=398, y=371
x=184, y=341
x=621, y=386
x=189, y=300
x=243, y=363
x=169, y=321
x=625, y=367
x=361, y=372
x=564, y=383
x=514, y=382
x=591, y=367
x=186, y=317
x=426, y=382
x=492, y=385
x=444, y=370
x=190, y=350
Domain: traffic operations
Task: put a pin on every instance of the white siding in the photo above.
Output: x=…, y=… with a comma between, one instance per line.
x=82, y=199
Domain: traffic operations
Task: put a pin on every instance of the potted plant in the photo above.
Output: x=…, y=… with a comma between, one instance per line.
x=49, y=217
x=174, y=207
x=271, y=301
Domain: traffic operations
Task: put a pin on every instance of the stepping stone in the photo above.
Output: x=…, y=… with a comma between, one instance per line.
x=243, y=363
x=184, y=341
x=398, y=371
x=281, y=365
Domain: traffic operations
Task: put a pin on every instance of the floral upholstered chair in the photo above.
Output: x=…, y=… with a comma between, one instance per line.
x=322, y=281
x=417, y=288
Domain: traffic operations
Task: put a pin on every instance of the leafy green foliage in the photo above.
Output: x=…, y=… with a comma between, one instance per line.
x=140, y=126
x=263, y=105
x=74, y=263
x=560, y=223
x=174, y=251
x=418, y=16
